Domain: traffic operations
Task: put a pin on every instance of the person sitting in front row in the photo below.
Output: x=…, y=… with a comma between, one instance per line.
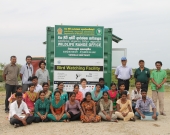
x=16, y=109
x=143, y=106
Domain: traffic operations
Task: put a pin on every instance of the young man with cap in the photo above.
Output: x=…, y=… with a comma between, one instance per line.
x=26, y=74
x=142, y=74
x=124, y=73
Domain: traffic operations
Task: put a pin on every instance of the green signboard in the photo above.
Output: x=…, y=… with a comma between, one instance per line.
x=79, y=41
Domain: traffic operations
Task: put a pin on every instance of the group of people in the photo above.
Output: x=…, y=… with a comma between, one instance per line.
x=34, y=102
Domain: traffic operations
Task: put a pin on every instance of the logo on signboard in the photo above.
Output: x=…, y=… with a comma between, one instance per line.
x=58, y=62
x=99, y=31
x=78, y=75
x=59, y=30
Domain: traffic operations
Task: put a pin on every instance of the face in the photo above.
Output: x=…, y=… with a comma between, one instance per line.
x=42, y=65
x=124, y=62
x=101, y=83
x=73, y=97
x=113, y=87
x=19, y=89
x=144, y=94
x=88, y=98
x=83, y=83
x=35, y=81
x=76, y=89
x=105, y=96
x=28, y=60
x=124, y=97
x=32, y=88
x=19, y=99
x=141, y=64
x=57, y=96
x=122, y=87
x=42, y=96
x=45, y=87
x=158, y=66
x=138, y=85
x=13, y=60
x=98, y=88
x=61, y=86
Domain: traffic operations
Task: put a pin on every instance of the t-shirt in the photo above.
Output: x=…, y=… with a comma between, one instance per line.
x=84, y=90
x=38, y=88
x=75, y=109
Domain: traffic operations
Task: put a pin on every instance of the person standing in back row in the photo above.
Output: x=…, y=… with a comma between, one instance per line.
x=158, y=78
x=142, y=74
x=26, y=74
x=124, y=73
x=10, y=76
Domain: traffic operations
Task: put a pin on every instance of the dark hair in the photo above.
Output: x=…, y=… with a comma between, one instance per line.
x=57, y=92
x=59, y=83
x=137, y=82
x=12, y=57
x=41, y=92
x=141, y=61
x=72, y=93
x=122, y=83
x=18, y=86
x=18, y=94
x=101, y=79
x=31, y=84
x=83, y=79
x=143, y=90
x=41, y=63
x=28, y=57
x=106, y=93
x=34, y=77
x=76, y=85
x=112, y=84
x=98, y=85
x=158, y=62
x=44, y=83
x=124, y=93
x=84, y=99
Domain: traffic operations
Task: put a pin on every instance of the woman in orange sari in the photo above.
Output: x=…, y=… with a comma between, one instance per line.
x=89, y=109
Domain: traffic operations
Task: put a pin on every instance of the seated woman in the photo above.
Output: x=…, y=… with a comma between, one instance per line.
x=46, y=90
x=96, y=96
x=30, y=97
x=113, y=94
x=106, y=108
x=63, y=95
x=124, y=108
x=122, y=89
x=89, y=109
x=73, y=109
x=13, y=97
x=79, y=94
x=57, y=108
x=42, y=106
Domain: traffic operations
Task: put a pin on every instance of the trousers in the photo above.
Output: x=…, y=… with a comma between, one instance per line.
x=158, y=96
x=52, y=118
x=126, y=118
x=74, y=116
x=29, y=120
x=114, y=117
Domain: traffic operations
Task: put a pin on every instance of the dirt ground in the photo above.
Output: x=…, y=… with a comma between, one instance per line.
x=159, y=127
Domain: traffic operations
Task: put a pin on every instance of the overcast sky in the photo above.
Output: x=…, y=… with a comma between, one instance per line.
x=144, y=26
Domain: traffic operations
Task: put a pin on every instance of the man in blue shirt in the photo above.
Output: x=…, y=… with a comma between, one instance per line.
x=103, y=87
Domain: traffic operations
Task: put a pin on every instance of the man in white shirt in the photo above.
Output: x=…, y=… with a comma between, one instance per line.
x=16, y=109
x=136, y=94
x=38, y=87
x=26, y=73
x=124, y=73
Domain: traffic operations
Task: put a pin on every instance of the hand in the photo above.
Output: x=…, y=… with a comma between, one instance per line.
x=143, y=116
x=68, y=115
x=108, y=117
x=158, y=86
x=154, y=116
x=123, y=114
x=24, y=122
x=59, y=117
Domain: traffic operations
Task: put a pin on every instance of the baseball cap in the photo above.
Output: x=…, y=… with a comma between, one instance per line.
x=123, y=58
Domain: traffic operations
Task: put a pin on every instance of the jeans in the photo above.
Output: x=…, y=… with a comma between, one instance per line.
x=145, y=113
x=29, y=120
x=10, y=89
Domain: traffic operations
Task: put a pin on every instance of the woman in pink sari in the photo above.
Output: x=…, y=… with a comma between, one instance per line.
x=30, y=97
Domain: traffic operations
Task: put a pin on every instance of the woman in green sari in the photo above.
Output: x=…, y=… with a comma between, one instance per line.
x=42, y=106
x=57, y=108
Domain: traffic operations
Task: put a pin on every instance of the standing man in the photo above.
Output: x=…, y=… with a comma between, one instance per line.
x=158, y=78
x=124, y=73
x=10, y=76
x=26, y=73
x=142, y=74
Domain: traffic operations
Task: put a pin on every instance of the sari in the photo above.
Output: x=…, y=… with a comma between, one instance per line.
x=63, y=96
x=95, y=97
x=57, y=108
